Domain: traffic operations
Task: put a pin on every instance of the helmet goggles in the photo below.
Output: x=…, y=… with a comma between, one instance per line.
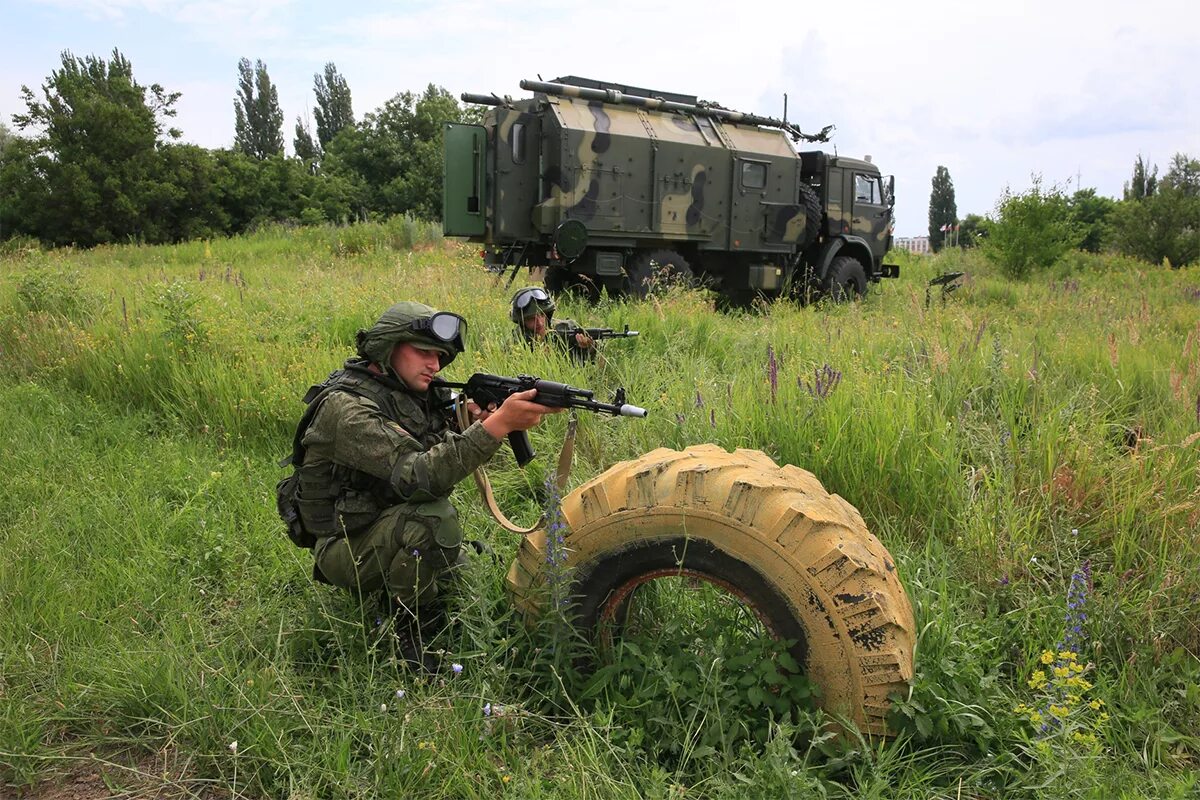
x=534, y=294
x=443, y=327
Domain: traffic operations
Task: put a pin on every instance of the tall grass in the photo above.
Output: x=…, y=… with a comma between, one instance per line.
x=152, y=601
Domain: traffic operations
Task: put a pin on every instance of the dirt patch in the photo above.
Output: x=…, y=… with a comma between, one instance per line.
x=128, y=776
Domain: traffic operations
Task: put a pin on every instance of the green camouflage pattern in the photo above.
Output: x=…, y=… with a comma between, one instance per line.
x=654, y=172
x=388, y=474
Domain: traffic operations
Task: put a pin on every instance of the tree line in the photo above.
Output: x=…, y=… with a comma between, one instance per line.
x=100, y=163
x=1156, y=220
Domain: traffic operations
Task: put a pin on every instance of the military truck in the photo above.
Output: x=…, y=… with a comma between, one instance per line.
x=617, y=187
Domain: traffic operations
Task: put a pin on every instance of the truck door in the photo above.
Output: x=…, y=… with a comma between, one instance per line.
x=517, y=158
x=463, y=180
x=872, y=216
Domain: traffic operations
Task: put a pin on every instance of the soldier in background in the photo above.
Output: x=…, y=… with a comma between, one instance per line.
x=380, y=458
x=532, y=311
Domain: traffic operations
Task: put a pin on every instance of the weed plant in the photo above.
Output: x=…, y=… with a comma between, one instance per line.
x=996, y=442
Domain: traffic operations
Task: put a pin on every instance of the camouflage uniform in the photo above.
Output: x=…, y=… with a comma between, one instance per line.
x=378, y=464
x=395, y=467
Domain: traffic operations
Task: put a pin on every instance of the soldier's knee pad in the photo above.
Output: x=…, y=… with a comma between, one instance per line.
x=431, y=530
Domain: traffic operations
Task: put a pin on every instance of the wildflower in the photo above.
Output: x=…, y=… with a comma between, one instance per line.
x=1095, y=704
x=772, y=371
x=506, y=778
x=399, y=694
x=1047, y=657
x=233, y=747
x=383, y=708
x=456, y=668
x=1037, y=680
x=487, y=709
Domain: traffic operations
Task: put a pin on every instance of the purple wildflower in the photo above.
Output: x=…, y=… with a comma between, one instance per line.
x=824, y=381
x=699, y=400
x=772, y=371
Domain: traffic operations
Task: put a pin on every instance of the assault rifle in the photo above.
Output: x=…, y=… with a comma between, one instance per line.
x=487, y=390
x=594, y=333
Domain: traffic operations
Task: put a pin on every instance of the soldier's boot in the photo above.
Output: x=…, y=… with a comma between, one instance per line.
x=413, y=636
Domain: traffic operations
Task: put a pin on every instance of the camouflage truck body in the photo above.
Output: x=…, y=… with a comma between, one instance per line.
x=602, y=183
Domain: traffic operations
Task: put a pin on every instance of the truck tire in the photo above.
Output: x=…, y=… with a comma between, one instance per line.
x=812, y=213
x=846, y=280
x=657, y=270
x=801, y=558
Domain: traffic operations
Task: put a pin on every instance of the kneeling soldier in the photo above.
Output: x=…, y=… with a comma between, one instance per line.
x=379, y=457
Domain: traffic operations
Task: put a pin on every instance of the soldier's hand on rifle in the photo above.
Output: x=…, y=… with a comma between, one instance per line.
x=518, y=412
x=584, y=341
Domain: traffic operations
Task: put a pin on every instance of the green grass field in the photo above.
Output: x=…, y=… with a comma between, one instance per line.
x=999, y=444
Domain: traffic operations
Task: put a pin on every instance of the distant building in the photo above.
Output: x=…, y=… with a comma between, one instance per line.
x=914, y=244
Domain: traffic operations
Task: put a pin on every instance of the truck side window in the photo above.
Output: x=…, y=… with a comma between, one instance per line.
x=867, y=190
x=754, y=175
x=518, y=143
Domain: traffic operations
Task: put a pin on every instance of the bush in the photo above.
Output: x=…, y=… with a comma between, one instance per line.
x=1032, y=230
x=44, y=290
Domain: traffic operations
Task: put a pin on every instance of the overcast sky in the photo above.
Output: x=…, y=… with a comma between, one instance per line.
x=1071, y=90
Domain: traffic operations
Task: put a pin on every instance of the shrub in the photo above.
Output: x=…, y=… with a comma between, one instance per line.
x=1032, y=230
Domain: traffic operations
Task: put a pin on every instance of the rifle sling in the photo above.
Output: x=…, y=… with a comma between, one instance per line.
x=561, y=473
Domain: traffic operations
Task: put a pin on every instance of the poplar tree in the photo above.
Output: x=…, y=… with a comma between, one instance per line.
x=258, y=120
x=943, y=213
x=334, y=111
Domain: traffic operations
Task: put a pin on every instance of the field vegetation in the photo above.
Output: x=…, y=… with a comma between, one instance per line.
x=1028, y=451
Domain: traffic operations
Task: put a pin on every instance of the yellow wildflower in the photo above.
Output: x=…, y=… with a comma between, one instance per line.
x=1047, y=657
x=1076, y=667
x=1037, y=680
x=1059, y=711
x=1066, y=655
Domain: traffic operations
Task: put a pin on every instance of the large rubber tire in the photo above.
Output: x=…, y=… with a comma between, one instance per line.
x=846, y=280
x=657, y=270
x=812, y=213
x=800, y=557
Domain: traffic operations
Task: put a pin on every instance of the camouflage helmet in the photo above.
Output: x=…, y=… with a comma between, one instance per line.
x=402, y=323
x=530, y=301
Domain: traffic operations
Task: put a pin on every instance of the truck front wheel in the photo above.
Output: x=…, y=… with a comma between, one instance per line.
x=846, y=280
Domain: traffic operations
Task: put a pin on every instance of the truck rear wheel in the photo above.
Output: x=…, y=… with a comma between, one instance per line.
x=658, y=270
x=847, y=280
x=801, y=559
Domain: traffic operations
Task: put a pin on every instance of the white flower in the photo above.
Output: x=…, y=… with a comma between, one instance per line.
x=233, y=747
x=383, y=708
x=399, y=694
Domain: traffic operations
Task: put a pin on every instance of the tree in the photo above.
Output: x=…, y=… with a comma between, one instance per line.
x=1183, y=175
x=1032, y=230
x=258, y=121
x=92, y=170
x=1090, y=213
x=306, y=149
x=943, y=213
x=1143, y=182
x=395, y=153
x=6, y=136
x=334, y=110
x=972, y=230
x=1164, y=225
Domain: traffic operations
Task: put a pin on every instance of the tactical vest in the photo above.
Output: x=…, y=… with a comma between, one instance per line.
x=328, y=499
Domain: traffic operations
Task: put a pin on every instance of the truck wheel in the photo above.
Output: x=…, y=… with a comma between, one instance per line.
x=658, y=270
x=812, y=213
x=801, y=559
x=846, y=280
